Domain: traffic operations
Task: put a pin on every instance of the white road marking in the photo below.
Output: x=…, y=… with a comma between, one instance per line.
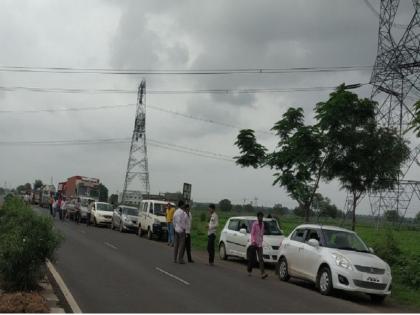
x=110, y=245
x=172, y=276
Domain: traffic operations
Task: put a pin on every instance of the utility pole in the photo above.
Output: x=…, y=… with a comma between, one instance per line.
x=137, y=174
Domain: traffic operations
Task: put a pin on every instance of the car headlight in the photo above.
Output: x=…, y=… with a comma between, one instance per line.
x=341, y=261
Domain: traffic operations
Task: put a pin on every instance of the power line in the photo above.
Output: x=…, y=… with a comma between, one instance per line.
x=156, y=143
x=105, y=107
x=220, y=71
x=170, y=92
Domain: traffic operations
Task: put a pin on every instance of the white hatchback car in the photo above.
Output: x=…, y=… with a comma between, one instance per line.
x=333, y=258
x=235, y=238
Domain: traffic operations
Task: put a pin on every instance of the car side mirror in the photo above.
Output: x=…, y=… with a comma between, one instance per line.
x=243, y=231
x=371, y=250
x=313, y=242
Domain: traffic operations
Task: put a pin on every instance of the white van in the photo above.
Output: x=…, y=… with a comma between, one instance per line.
x=152, y=218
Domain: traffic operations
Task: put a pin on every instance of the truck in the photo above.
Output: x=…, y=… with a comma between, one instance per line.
x=46, y=192
x=78, y=187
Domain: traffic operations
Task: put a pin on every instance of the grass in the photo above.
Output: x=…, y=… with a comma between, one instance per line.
x=407, y=241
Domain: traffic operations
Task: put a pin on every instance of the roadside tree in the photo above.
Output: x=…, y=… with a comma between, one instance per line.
x=417, y=218
x=280, y=210
x=298, y=160
x=38, y=184
x=363, y=156
x=225, y=205
x=103, y=193
x=113, y=199
x=392, y=216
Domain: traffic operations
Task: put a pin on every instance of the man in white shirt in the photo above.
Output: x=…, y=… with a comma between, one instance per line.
x=188, y=233
x=212, y=228
x=180, y=225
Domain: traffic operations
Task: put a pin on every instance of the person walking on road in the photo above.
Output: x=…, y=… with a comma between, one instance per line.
x=51, y=203
x=170, y=210
x=180, y=225
x=88, y=209
x=188, y=233
x=257, y=236
x=55, y=207
x=59, y=209
x=212, y=228
x=64, y=209
x=77, y=208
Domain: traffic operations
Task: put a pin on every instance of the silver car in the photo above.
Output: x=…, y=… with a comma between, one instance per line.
x=125, y=218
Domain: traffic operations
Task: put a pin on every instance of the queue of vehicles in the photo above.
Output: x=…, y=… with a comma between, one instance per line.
x=330, y=257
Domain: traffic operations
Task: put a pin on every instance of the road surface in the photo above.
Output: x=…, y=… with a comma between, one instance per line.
x=108, y=272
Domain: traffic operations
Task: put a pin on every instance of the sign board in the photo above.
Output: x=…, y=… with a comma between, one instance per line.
x=186, y=192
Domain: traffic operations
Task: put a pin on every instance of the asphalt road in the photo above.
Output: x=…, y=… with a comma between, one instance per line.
x=108, y=272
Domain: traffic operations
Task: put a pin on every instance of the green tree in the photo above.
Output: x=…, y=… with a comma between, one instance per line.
x=225, y=205
x=113, y=199
x=103, y=193
x=248, y=208
x=362, y=155
x=2, y=191
x=417, y=218
x=38, y=184
x=280, y=210
x=298, y=160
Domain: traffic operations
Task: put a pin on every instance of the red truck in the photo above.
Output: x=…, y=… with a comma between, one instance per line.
x=79, y=187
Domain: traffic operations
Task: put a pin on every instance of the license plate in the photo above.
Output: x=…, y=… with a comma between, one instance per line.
x=373, y=278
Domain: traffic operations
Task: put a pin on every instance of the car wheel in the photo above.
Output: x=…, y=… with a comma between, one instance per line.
x=324, y=281
x=149, y=233
x=283, y=269
x=139, y=231
x=121, y=227
x=377, y=298
x=222, y=251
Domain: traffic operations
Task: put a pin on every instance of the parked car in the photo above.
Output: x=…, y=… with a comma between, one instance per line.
x=334, y=258
x=235, y=238
x=152, y=218
x=125, y=218
x=71, y=209
x=101, y=213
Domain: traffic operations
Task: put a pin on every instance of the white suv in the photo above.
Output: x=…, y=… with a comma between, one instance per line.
x=235, y=238
x=334, y=258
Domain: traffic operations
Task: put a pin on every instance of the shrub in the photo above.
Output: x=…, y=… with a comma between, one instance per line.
x=387, y=248
x=26, y=241
x=408, y=270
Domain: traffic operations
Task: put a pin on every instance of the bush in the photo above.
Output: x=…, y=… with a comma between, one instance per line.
x=408, y=270
x=387, y=248
x=26, y=241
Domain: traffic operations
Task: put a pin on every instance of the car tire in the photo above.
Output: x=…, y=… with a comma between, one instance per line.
x=283, y=270
x=377, y=298
x=324, y=281
x=139, y=231
x=149, y=234
x=222, y=251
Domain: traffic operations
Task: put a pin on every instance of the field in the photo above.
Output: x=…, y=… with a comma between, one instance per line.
x=406, y=238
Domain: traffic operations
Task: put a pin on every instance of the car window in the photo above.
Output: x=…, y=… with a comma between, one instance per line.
x=244, y=224
x=233, y=225
x=159, y=209
x=272, y=228
x=129, y=211
x=298, y=235
x=313, y=234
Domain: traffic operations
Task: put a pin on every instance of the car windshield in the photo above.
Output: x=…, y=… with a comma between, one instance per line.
x=270, y=227
x=343, y=240
x=160, y=209
x=104, y=207
x=130, y=211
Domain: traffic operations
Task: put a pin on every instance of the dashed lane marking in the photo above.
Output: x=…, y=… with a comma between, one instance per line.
x=110, y=245
x=172, y=276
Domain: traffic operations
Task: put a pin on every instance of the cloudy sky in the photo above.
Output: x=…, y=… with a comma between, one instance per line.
x=171, y=35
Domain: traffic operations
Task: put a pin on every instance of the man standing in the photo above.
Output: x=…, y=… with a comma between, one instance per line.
x=212, y=228
x=257, y=235
x=77, y=208
x=188, y=233
x=169, y=219
x=180, y=225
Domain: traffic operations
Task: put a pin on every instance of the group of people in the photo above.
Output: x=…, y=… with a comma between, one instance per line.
x=179, y=236
x=58, y=204
x=179, y=231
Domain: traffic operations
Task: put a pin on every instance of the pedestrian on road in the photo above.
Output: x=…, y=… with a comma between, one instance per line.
x=59, y=202
x=170, y=210
x=180, y=225
x=257, y=236
x=88, y=209
x=188, y=233
x=77, y=208
x=212, y=228
x=51, y=203
x=64, y=209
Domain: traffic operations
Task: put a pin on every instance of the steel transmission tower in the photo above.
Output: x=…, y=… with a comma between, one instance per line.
x=395, y=81
x=137, y=175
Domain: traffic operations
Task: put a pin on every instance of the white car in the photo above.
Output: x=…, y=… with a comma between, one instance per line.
x=152, y=218
x=334, y=258
x=101, y=213
x=235, y=238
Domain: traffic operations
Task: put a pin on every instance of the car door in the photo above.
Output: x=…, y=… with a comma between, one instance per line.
x=118, y=216
x=93, y=211
x=231, y=231
x=310, y=255
x=293, y=247
x=142, y=215
x=244, y=239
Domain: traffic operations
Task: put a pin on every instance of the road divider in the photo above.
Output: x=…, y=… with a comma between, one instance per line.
x=172, y=276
